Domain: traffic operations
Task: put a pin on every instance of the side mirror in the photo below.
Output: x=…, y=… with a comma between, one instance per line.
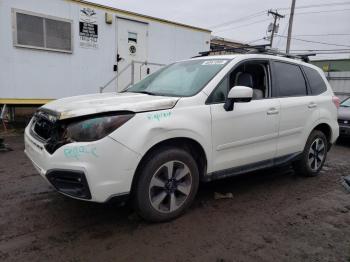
x=239, y=94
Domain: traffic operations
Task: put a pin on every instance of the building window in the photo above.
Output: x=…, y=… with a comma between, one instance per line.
x=38, y=31
x=132, y=37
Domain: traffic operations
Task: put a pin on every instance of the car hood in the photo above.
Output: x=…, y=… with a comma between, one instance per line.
x=344, y=113
x=108, y=102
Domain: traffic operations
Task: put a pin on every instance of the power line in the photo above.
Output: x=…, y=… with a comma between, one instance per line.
x=244, y=25
x=319, y=12
x=248, y=17
x=232, y=28
x=317, y=42
x=256, y=40
x=257, y=14
x=318, y=5
x=339, y=52
x=323, y=35
x=310, y=50
x=284, y=31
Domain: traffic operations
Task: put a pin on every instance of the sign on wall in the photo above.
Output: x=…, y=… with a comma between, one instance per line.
x=88, y=28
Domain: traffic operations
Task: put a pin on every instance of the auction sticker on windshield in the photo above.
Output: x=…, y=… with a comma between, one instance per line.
x=214, y=62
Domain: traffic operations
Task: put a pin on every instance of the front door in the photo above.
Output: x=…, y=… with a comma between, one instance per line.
x=132, y=44
x=248, y=134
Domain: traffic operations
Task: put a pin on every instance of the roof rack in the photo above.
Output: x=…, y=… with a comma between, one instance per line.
x=258, y=49
x=302, y=57
x=242, y=50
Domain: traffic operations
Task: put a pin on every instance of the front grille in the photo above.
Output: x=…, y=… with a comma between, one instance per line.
x=344, y=122
x=72, y=183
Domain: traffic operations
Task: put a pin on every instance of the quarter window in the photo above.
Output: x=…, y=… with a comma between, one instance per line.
x=42, y=32
x=317, y=85
x=289, y=79
x=219, y=95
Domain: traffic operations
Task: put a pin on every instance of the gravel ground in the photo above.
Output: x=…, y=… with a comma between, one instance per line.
x=274, y=215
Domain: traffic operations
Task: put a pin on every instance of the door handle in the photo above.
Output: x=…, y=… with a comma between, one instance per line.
x=312, y=105
x=119, y=58
x=272, y=111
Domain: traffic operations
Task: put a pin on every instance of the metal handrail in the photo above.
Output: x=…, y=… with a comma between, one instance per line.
x=132, y=63
x=115, y=77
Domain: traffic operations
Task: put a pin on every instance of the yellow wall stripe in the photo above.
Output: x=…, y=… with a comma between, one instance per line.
x=24, y=101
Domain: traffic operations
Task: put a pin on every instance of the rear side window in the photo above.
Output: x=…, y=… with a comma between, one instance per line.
x=317, y=85
x=289, y=80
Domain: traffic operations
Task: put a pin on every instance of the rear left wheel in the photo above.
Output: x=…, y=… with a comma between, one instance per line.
x=313, y=156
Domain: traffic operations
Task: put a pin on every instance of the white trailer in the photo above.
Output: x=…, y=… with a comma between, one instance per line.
x=56, y=48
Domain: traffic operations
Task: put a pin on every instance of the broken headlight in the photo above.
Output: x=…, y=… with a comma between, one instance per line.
x=93, y=129
x=85, y=129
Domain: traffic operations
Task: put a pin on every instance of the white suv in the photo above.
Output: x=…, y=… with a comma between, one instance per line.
x=196, y=120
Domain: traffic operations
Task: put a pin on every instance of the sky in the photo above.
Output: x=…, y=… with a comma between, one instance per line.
x=247, y=21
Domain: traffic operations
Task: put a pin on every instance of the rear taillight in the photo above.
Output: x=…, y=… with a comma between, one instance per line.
x=336, y=101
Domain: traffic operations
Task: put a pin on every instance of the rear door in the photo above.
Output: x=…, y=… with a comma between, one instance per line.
x=298, y=108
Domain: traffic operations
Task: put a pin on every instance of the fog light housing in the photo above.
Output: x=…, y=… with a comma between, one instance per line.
x=72, y=183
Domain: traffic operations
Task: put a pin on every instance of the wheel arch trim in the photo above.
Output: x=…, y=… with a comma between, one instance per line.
x=181, y=142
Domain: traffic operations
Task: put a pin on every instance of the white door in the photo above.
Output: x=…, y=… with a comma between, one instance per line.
x=246, y=135
x=132, y=45
x=298, y=110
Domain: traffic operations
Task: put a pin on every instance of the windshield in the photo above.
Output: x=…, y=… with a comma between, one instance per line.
x=346, y=103
x=180, y=79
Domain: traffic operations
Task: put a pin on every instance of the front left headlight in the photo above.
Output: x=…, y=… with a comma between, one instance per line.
x=86, y=129
x=95, y=128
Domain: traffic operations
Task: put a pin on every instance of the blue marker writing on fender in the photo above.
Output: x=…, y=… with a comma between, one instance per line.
x=79, y=151
x=159, y=116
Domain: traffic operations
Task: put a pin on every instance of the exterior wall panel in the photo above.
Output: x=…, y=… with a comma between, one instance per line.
x=38, y=74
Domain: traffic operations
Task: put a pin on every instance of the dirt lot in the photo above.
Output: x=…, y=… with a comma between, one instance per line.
x=273, y=216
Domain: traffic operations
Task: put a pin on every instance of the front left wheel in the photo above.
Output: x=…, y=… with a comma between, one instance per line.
x=167, y=184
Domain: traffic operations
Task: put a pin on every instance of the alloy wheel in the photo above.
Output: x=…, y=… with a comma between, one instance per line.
x=170, y=186
x=316, y=154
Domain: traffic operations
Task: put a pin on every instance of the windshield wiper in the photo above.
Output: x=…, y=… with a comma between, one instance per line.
x=144, y=92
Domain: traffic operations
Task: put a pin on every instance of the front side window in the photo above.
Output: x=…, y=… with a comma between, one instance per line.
x=41, y=32
x=289, y=79
x=253, y=74
x=317, y=85
x=180, y=79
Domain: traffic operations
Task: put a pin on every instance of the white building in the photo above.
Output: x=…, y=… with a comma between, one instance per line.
x=56, y=48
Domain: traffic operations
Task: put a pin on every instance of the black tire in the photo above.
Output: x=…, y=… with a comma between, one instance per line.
x=153, y=166
x=311, y=168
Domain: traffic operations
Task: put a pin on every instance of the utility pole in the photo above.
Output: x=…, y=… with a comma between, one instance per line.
x=276, y=16
x=290, y=26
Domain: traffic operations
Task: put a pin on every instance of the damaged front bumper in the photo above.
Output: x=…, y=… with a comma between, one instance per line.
x=94, y=171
